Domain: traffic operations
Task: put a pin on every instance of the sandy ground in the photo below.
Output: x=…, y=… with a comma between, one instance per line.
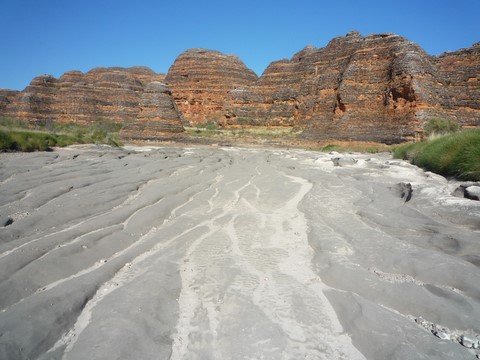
x=226, y=253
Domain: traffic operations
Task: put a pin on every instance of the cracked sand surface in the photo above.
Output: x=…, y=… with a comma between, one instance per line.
x=226, y=253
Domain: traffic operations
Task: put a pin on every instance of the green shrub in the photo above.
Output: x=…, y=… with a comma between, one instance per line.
x=66, y=140
x=439, y=126
x=113, y=142
x=99, y=132
x=456, y=155
x=407, y=151
x=207, y=125
x=6, y=141
x=98, y=135
x=14, y=138
x=330, y=147
x=30, y=141
x=106, y=126
x=12, y=123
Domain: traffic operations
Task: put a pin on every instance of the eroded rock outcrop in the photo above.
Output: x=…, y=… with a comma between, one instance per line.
x=201, y=80
x=109, y=93
x=375, y=88
x=380, y=87
x=102, y=93
x=35, y=103
x=158, y=114
x=460, y=74
x=122, y=95
x=6, y=97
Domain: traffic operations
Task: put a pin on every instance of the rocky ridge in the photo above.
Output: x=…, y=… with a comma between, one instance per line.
x=6, y=97
x=375, y=88
x=112, y=93
x=379, y=87
x=201, y=79
x=460, y=73
x=106, y=93
x=158, y=114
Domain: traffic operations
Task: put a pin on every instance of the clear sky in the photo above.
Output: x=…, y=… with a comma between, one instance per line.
x=55, y=36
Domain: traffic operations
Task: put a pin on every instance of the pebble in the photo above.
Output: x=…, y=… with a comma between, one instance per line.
x=442, y=335
x=467, y=341
x=8, y=222
x=343, y=161
x=471, y=341
x=472, y=192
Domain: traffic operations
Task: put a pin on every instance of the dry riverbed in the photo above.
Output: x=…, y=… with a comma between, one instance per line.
x=227, y=253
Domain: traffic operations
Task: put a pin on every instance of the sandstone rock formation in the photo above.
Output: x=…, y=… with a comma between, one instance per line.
x=35, y=103
x=200, y=81
x=122, y=95
x=460, y=74
x=375, y=88
x=110, y=93
x=158, y=114
x=6, y=97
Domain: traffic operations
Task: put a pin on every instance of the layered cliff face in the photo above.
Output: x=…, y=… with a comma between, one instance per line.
x=6, y=97
x=460, y=74
x=111, y=93
x=374, y=88
x=201, y=80
x=158, y=115
x=122, y=95
x=35, y=102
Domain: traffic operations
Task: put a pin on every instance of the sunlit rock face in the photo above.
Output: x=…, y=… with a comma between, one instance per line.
x=201, y=79
x=460, y=74
x=158, y=114
x=379, y=87
x=133, y=96
x=111, y=93
x=6, y=97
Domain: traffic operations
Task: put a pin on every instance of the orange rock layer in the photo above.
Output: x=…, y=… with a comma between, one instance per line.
x=375, y=88
x=6, y=97
x=201, y=80
x=158, y=115
x=114, y=94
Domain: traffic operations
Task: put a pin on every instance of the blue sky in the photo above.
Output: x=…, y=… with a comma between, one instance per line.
x=55, y=36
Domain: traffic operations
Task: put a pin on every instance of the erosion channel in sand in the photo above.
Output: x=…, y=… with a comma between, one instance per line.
x=228, y=253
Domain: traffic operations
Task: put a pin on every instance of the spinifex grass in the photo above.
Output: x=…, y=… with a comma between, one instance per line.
x=25, y=140
x=16, y=135
x=456, y=155
x=260, y=132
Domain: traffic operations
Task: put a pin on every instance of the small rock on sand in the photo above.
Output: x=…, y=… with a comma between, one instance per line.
x=442, y=335
x=405, y=190
x=472, y=192
x=7, y=222
x=344, y=161
x=466, y=341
